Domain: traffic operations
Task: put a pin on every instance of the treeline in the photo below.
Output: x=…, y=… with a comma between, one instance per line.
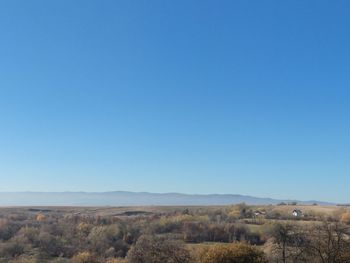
x=208, y=235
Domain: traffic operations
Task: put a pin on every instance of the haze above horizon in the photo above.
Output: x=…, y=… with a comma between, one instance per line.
x=197, y=97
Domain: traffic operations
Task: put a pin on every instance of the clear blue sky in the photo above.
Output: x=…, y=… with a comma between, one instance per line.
x=248, y=97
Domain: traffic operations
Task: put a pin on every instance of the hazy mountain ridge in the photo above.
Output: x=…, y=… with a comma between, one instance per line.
x=124, y=198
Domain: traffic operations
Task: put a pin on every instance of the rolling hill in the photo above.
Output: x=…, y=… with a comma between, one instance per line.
x=123, y=198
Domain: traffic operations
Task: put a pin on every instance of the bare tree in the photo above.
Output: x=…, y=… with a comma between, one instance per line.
x=290, y=243
x=329, y=243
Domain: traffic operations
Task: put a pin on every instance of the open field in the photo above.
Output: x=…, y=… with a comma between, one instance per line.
x=115, y=211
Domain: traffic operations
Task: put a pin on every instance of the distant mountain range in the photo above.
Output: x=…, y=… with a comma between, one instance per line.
x=122, y=198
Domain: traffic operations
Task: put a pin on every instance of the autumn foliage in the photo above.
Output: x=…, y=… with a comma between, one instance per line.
x=345, y=218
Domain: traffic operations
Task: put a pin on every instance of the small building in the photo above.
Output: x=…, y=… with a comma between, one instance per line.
x=259, y=213
x=297, y=213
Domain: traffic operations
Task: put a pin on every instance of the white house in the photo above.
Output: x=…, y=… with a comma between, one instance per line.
x=259, y=213
x=297, y=213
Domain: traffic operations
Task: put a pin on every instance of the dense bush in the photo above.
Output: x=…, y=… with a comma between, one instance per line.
x=233, y=253
x=84, y=257
x=151, y=249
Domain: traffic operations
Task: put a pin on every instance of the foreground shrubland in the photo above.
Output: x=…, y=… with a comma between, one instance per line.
x=173, y=235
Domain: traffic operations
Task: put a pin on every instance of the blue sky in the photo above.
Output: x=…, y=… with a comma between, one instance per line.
x=247, y=97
